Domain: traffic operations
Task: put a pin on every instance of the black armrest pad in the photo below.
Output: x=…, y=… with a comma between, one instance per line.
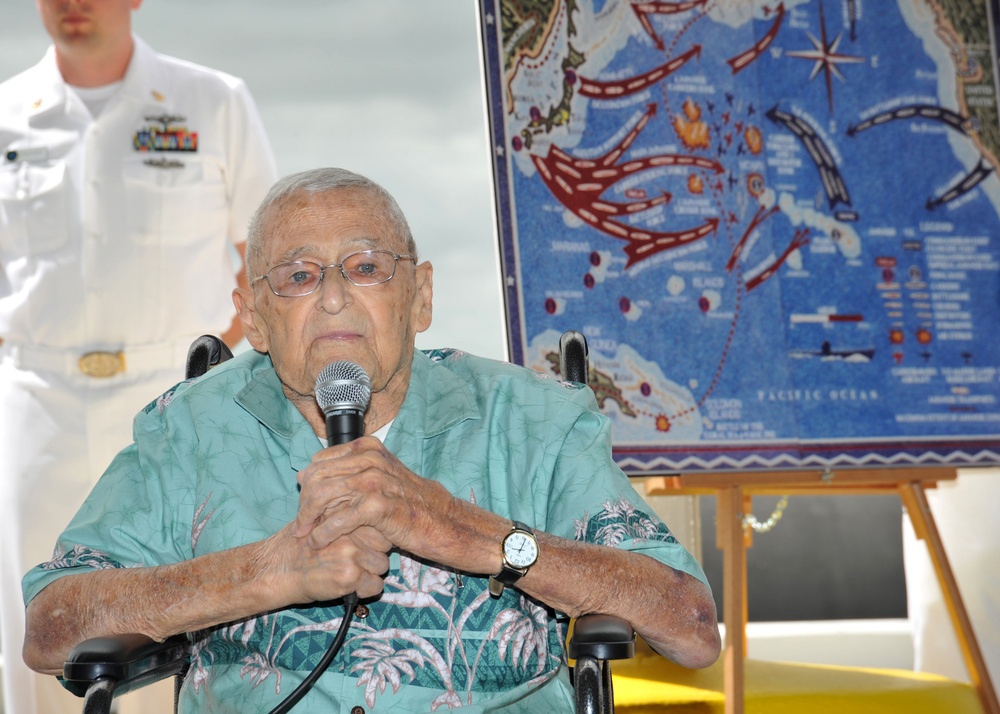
x=602, y=637
x=204, y=353
x=127, y=659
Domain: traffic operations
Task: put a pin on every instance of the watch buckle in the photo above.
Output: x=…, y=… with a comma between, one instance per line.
x=496, y=587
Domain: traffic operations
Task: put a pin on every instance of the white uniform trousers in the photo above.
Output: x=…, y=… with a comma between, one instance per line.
x=965, y=512
x=58, y=432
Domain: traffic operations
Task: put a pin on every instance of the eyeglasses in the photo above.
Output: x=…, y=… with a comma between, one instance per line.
x=302, y=277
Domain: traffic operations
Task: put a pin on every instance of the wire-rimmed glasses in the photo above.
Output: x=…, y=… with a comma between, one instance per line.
x=302, y=277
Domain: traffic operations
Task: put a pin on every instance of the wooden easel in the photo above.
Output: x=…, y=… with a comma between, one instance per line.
x=735, y=492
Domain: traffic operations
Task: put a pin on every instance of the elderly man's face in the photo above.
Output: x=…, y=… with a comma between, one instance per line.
x=372, y=326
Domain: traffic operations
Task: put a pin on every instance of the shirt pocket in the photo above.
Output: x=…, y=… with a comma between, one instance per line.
x=34, y=208
x=164, y=196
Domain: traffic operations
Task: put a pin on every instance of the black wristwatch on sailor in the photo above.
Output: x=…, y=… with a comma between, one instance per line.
x=519, y=551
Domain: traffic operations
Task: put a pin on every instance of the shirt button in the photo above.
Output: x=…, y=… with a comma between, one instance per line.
x=361, y=612
x=357, y=710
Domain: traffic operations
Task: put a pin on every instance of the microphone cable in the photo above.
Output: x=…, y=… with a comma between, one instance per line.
x=350, y=602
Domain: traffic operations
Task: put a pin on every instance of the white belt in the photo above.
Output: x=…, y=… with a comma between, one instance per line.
x=100, y=363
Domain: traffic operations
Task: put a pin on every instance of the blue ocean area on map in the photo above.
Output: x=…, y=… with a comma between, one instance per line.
x=776, y=224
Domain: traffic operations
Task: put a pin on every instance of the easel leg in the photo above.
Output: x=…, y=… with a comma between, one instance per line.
x=729, y=537
x=918, y=509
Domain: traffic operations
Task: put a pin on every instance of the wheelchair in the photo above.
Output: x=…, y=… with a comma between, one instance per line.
x=102, y=668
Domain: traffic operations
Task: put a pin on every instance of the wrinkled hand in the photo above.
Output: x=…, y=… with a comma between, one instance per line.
x=363, y=484
x=353, y=562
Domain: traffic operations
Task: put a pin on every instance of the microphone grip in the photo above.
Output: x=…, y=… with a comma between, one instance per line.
x=344, y=425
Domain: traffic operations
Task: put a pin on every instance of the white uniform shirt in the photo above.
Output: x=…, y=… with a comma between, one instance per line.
x=105, y=245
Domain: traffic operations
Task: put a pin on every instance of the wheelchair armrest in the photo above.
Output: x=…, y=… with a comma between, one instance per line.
x=602, y=637
x=129, y=661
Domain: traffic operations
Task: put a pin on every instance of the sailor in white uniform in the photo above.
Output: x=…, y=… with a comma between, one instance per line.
x=127, y=180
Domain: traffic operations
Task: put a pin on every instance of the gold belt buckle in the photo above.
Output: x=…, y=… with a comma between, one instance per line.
x=102, y=364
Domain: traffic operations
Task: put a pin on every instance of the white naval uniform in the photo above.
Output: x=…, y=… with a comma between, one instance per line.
x=105, y=247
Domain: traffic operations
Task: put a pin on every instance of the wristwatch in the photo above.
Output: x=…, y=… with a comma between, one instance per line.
x=519, y=551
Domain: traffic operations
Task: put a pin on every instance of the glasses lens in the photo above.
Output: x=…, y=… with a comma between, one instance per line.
x=294, y=279
x=370, y=267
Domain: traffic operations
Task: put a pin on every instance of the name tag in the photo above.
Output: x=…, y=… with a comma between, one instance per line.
x=35, y=154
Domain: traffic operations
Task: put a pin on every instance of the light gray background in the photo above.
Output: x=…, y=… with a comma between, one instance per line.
x=391, y=89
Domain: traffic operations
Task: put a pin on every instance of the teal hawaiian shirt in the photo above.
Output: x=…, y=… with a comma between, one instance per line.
x=208, y=471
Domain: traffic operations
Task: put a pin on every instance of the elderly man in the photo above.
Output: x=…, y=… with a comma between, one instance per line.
x=230, y=517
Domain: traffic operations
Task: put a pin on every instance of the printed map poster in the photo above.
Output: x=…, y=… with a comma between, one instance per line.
x=776, y=222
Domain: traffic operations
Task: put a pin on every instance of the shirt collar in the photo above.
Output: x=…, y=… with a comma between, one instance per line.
x=437, y=400
x=50, y=89
x=264, y=399
x=144, y=81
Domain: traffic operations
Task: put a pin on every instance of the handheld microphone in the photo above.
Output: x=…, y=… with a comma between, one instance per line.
x=343, y=390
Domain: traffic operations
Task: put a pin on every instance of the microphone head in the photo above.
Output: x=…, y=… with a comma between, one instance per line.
x=343, y=385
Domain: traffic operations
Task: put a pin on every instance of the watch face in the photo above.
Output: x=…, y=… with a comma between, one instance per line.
x=520, y=549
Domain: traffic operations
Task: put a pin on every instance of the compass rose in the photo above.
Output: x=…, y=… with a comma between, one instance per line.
x=826, y=57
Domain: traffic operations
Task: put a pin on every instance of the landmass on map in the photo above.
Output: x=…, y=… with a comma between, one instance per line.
x=628, y=388
x=964, y=27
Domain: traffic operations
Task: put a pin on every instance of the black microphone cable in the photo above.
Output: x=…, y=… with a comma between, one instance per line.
x=350, y=602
